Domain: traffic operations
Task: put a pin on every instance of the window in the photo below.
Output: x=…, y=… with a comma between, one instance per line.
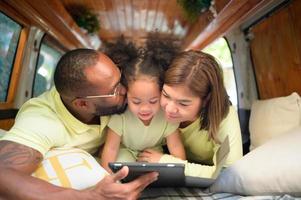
x=10, y=33
x=47, y=61
x=220, y=50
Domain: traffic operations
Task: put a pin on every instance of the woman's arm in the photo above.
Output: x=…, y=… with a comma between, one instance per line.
x=230, y=128
x=110, y=149
x=175, y=145
x=191, y=169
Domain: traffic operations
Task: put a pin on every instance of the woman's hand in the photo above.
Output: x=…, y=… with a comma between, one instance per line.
x=149, y=155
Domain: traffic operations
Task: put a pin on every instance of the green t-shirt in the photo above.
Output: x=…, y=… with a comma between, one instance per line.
x=135, y=135
x=199, y=149
x=44, y=122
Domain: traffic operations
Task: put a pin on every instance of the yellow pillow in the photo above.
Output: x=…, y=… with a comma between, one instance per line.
x=70, y=168
x=2, y=132
x=271, y=169
x=273, y=117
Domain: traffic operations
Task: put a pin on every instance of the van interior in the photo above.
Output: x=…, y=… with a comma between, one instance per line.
x=257, y=42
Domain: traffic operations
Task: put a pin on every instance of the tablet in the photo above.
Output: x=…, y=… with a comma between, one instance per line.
x=170, y=174
x=191, y=181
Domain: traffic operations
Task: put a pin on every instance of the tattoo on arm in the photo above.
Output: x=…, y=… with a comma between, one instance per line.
x=17, y=155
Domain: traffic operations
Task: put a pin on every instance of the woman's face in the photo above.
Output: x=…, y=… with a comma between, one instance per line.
x=179, y=104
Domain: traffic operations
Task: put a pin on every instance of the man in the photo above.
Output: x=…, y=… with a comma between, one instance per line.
x=87, y=86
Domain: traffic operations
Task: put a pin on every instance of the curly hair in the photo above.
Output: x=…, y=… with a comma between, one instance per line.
x=121, y=52
x=152, y=60
x=164, y=49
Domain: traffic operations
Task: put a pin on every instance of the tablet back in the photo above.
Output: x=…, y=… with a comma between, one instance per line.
x=170, y=174
x=221, y=157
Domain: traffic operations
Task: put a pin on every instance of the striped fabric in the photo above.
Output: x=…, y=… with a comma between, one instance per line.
x=200, y=194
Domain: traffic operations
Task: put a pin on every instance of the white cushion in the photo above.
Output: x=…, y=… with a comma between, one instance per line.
x=273, y=117
x=2, y=132
x=271, y=169
x=70, y=168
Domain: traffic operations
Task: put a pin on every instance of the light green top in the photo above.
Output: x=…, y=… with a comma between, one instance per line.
x=44, y=122
x=135, y=135
x=199, y=149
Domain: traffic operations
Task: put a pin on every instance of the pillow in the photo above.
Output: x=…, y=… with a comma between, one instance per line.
x=273, y=117
x=271, y=169
x=70, y=168
x=2, y=132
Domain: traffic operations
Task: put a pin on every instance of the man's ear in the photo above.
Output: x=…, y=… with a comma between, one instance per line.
x=80, y=103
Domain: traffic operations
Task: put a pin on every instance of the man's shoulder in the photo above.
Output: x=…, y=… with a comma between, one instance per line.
x=43, y=104
x=39, y=111
x=39, y=116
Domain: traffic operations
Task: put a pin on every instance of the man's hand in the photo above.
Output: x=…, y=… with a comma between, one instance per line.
x=111, y=188
x=149, y=155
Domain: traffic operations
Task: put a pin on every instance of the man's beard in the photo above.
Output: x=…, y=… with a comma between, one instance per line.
x=105, y=110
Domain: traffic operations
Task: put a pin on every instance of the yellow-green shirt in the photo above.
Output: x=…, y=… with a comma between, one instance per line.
x=199, y=149
x=44, y=123
x=136, y=136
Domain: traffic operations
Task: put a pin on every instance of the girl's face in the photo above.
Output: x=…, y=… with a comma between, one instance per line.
x=179, y=104
x=144, y=98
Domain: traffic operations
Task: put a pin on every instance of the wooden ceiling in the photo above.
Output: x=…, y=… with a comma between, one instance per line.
x=136, y=18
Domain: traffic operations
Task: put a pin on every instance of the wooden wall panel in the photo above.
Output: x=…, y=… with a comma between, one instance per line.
x=52, y=18
x=232, y=15
x=204, y=20
x=220, y=4
x=276, y=52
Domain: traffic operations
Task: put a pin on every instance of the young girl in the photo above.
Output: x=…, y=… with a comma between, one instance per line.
x=142, y=125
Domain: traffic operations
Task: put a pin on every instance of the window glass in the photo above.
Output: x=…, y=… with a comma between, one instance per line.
x=220, y=50
x=9, y=37
x=47, y=60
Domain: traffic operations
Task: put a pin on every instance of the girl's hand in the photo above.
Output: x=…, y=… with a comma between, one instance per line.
x=149, y=155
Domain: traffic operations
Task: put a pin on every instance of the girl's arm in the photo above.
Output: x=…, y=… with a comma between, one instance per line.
x=110, y=149
x=175, y=145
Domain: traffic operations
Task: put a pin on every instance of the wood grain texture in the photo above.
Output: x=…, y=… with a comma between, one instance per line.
x=276, y=52
x=232, y=15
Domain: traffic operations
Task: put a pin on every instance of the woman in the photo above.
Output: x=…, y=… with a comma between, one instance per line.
x=194, y=96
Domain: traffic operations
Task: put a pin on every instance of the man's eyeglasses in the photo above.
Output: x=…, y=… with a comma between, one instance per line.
x=114, y=94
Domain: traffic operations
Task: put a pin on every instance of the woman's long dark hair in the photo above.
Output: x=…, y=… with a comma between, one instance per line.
x=201, y=73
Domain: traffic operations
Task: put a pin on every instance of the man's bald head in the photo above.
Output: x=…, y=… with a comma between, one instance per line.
x=69, y=77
